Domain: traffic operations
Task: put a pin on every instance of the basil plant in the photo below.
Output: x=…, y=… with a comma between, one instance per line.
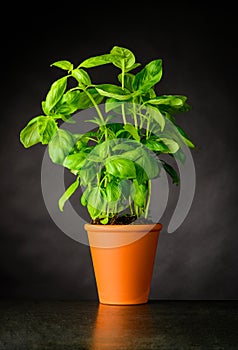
x=115, y=162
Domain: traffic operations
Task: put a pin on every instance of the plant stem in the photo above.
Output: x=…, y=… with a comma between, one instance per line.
x=102, y=180
x=130, y=205
x=148, y=127
x=123, y=75
x=136, y=210
x=123, y=87
x=123, y=114
x=97, y=109
x=95, y=105
x=148, y=199
x=134, y=115
x=98, y=179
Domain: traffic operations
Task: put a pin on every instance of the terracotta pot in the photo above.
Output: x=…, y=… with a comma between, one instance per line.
x=123, y=260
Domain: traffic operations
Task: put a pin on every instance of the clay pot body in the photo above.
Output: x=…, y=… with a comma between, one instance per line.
x=123, y=260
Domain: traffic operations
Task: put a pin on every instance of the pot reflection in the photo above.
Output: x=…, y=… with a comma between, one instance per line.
x=122, y=327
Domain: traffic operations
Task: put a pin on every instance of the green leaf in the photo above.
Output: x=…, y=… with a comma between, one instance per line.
x=115, y=91
x=93, y=212
x=124, y=58
x=104, y=221
x=100, y=151
x=140, y=193
x=113, y=191
x=55, y=93
x=128, y=80
x=85, y=102
x=125, y=187
x=82, y=139
x=171, y=103
x=81, y=76
x=121, y=167
x=171, y=100
x=68, y=193
x=71, y=97
x=131, y=154
x=188, y=142
x=169, y=116
x=88, y=173
x=132, y=131
x=96, y=202
x=157, y=116
x=64, y=111
x=172, y=145
x=96, y=121
x=185, y=137
x=141, y=175
x=44, y=109
x=60, y=146
x=149, y=95
x=84, y=197
x=155, y=145
x=97, y=61
x=66, y=65
x=30, y=136
x=46, y=128
x=65, y=117
x=148, y=163
x=113, y=104
x=148, y=76
x=172, y=172
x=68, y=104
x=180, y=155
x=115, y=127
x=39, y=129
x=135, y=65
x=75, y=161
x=122, y=147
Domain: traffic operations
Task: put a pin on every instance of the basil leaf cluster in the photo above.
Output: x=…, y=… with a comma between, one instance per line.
x=116, y=162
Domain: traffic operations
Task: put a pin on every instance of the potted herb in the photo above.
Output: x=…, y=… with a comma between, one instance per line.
x=115, y=162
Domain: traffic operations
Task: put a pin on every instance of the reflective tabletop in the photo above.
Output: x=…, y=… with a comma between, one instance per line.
x=84, y=325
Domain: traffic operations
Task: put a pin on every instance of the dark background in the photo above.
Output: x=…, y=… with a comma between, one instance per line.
x=199, y=51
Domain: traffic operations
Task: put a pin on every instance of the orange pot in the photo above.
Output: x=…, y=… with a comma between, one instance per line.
x=123, y=260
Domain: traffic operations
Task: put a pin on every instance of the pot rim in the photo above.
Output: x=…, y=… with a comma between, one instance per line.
x=127, y=228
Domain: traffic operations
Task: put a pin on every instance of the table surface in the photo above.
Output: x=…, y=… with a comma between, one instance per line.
x=84, y=325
